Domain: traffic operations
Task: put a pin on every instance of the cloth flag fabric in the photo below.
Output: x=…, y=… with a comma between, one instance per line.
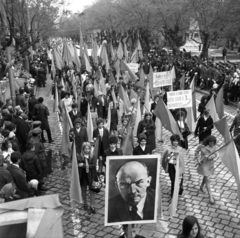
x=192, y=87
x=134, y=57
x=113, y=52
x=139, y=47
x=94, y=52
x=67, y=54
x=114, y=96
x=117, y=67
x=190, y=119
x=88, y=66
x=53, y=69
x=120, y=50
x=212, y=108
x=75, y=188
x=219, y=103
x=96, y=88
x=58, y=59
x=150, y=78
x=108, y=124
x=89, y=124
x=102, y=83
x=138, y=118
x=173, y=74
x=230, y=158
x=133, y=94
x=104, y=57
x=147, y=98
x=124, y=67
x=127, y=147
x=182, y=82
x=123, y=95
x=142, y=76
x=111, y=78
x=158, y=131
x=162, y=112
x=223, y=129
x=77, y=60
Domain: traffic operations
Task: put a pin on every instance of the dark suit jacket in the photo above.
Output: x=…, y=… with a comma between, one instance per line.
x=73, y=117
x=19, y=178
x=79, y=138
x=103, y=142
x=21, y=101
x=118, y=210
x=138, y=150
x=41, y=113
x=201, y=124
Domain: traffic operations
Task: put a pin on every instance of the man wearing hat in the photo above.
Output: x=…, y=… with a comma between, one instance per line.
x=21, y=99
x=78, y=134
x=35, y=124
x=31, y=103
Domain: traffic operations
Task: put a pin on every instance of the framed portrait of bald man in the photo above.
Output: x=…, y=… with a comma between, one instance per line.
x=132, y=189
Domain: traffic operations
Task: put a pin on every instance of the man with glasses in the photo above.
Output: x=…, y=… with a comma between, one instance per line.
x=136, y=200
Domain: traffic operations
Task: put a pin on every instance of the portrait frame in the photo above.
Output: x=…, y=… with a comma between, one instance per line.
x=113, y=163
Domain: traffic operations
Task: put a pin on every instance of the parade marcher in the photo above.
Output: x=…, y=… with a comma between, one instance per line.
x=67, y=102
x=153, y=105
x=142, y=148
x=190, y=228
x=85, y=166
x=206, y=163
x=169, y=162
x=114, y=117
x=102, y=106
x=182, y=125
x=235, y=127
x=21, y=100
x=147, y=126
x=75, y=113
x=204, y=126
x=84, y=105
x=103, y=134
x=41, y=113
x=202, y=104
x=78, y=134
x=31, y=103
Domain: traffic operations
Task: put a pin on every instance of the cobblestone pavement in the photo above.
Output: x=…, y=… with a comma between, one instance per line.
x=221, y=220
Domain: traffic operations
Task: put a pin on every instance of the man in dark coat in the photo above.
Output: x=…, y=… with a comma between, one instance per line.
x=102, y=106
x=74, y=114
x=41, y=113
x=21, y=100
x=22, y=130
x=78, y=134
x=31, y=103
x=19, y=176
x=135, y=201
x=5, y=175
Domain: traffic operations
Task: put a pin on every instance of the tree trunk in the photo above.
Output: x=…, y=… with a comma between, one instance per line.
x=205, y=46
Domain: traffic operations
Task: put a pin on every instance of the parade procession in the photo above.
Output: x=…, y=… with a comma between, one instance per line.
x=120, y=119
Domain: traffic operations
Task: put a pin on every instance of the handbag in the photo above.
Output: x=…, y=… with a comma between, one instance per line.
x=95, y=183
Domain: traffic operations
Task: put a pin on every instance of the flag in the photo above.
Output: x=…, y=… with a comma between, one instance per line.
x=56, y=100
x=219, y=103
x=75, y=189
x=113, y=52
x=139, y=47
x=102, y=83
x=158, y=131
x=124, y=67
x=111, y=78
x=120, y=51
x=162, y=112
x=53, y=69
x=89, y=124
x=86, y=51
x=190, y=119
x=114, y=96
x=108, y=124
x=138, y=118
x=77, y=60
x=127, y=147
x=212, y=108
x=147, y=98
x=133, y=95
x=173, y=74
x=117, y=67
x=81, y=43
x=58, y=59
x=182, y=82
x=123, y=95
x=67, y=125
x=94, y=52
x=142, y=76
x=96, y=88
x=104, y=57
x=150, y=78
x=125, y=50
x=88, y=66
x=192, y=87
x=222, y=127
x=134, y=57
x=230, y=158
x=67, y=54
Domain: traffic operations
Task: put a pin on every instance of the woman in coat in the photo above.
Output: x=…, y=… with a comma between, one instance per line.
x=205, y=155
x=235, y=127
x=183, y=128
x=202, y=104
x=142, y=148
x=147, y=126
x=169, y=162
x=86, y=163
x=204, y=126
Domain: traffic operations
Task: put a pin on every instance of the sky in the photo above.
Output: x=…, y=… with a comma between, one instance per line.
x=78, y=5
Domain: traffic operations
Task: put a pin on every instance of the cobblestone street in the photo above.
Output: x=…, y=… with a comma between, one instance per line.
x=221, y=220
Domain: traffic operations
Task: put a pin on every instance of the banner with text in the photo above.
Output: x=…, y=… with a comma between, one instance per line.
x=161, y=79
x=133, y=67
x=179, y=99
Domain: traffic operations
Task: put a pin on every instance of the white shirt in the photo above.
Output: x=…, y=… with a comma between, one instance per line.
x=140, y=206
x=101, y=132
x=78, y=130
x=143, y=147
x=181, y=124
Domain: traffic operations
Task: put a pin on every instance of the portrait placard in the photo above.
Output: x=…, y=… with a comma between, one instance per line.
x=132, y=189
x=179, y=99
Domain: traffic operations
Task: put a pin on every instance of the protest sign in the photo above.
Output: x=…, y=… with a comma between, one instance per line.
x=179, y=99
x=133, y=67
x=161, y=79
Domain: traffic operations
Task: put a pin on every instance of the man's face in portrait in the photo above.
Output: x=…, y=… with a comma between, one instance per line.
x=132, y=181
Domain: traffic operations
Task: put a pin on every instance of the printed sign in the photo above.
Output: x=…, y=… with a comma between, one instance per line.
x=133, y=67
x=179, y=99
x=161, y=79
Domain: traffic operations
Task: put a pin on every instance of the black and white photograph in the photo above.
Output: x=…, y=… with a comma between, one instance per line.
x=132, y=184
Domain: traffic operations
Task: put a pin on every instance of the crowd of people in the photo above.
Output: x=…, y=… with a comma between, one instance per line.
x=23, y=160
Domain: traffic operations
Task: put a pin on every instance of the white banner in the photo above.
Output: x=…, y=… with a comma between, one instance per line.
x=179, y=99
x=133, y=67
x=161, y=79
